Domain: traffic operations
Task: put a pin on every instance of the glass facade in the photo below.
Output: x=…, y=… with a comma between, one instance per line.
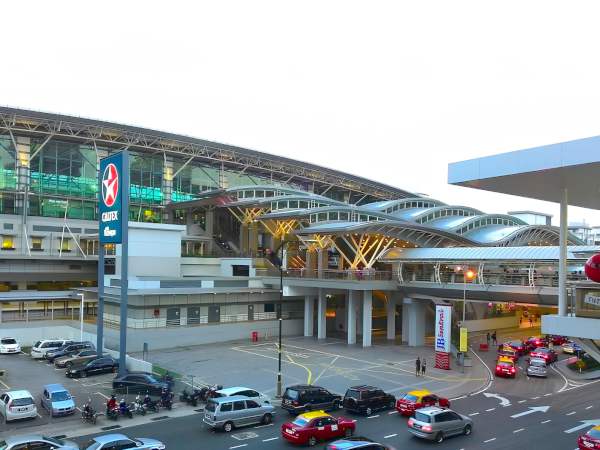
x=8, y=164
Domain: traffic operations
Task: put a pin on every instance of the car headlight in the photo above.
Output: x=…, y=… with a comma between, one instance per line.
x=161, y=447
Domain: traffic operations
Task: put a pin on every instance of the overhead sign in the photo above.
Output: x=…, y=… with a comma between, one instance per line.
x=592, y=298
x=112, y=189
x=443, y=315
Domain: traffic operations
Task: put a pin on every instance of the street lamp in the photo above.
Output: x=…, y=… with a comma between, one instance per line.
x=281, y=246
x=468, y=274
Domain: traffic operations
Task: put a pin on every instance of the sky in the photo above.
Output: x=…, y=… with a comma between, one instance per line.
x=388, y=90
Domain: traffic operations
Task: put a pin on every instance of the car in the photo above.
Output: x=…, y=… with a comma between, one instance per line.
x=228, y=413
x=120, y=441
x=36, y=441
x=556, y=339
x=353, y=442
x=506, y=367
x=246, y=392
x=589, y=440
x=9, y=345
x=537, y=368
x=546, y=354
x=436, y=424
x=139, y=382
x=534, y=342
x=16, y=405
x=95, y=366
x=305, y=397
x=312, y=427
x=506, y=351
x=40, y=348
x=571, y=348
x=77, y=358
x=366, y=399
x=68, y=349
x=518, y=346
x=57, y=400
x=420, y=398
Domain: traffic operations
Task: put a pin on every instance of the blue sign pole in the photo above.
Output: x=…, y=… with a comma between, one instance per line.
x=113, y=229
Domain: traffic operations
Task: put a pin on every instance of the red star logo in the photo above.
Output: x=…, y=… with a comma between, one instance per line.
x=110, y=185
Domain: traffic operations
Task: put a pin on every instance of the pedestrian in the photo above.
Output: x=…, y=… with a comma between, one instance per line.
x=530, y=322
x=520, y=320
x=423, y=367
x=494, y=338
x=487, y=338
x=418, y=366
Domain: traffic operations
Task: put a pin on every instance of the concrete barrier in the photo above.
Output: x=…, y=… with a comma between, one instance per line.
x=496, y=323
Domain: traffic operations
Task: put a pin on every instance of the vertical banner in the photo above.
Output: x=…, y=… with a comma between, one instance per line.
x=111, y=204
x=463, y=339
x=443, y=317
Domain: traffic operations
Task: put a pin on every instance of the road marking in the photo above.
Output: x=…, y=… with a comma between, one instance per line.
x=570, y=414
x=503, y=401
x=4, y=384
x=38, y=414
x=102, y=395
x=564, y=386
x=521, y=401
x=491, y=409
x=519, y=430
x=531, y=410
x=263, y=426
x=78, y=408
x=546, y=421
x=392, y=412
x=390, y=436
x=325, y=369
x=548, y=395
x=474, y=414
x=270, y=439
x=535, y=398
x=489, y=440
x=584, y=424
x=238, y=446
x=589, y=407
x=458, y=398
x=490, y=375
x=373, y=417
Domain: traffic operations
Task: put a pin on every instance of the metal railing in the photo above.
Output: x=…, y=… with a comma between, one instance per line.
x=329, y=274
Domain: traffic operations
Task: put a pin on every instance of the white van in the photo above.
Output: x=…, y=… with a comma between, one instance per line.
x=40, y=348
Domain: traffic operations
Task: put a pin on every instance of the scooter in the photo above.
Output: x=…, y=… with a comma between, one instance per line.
x=137, y=407
x=210, y=392
x=150, y=405
x=88, y=415
x=166, y=401
x=191, y=398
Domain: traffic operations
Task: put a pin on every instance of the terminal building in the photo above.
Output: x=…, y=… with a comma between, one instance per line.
x=211, y=225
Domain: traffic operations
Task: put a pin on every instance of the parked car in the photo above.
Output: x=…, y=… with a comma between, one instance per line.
x=57, y=400
x=95, y=366
x=120, y=441
x=571, y=348
x=537, y=368
x=312, y=427
x=246, y=392
x=366, y=399
x=139, y=382
x=351, y=443
x=9, y=345
x=436, y=424
x=421, y=398
x=36, y=441
x=16, y=405
x=228, y=413
x=305, y=397
x=39, y=349
x=546, y=354
x=68, y=349
x=77, y=358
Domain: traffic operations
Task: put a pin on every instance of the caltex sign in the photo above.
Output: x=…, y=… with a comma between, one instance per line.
x=112, y=188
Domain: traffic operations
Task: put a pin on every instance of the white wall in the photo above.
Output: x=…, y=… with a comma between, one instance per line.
x=581, y=327
x=197, y=267
x=491, y=324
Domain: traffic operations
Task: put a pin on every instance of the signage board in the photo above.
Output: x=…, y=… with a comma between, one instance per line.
x=111, y=190
x=463, y=339
x=592, y=298
x=443, y=316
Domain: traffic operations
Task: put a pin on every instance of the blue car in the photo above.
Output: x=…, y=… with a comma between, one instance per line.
x=57, y=400
x=115, y=440
x=357, y=442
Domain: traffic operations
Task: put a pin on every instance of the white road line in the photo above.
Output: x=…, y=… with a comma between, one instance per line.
x=238, y=446
x=390, y=436
x=521, y=401
x=102, y=395
x=491, y=409
x=38, y=414
x=373, y=417
x=519, y=430
x=270, y=439
x=392, y=412
x=570, y=414
x=490, y=375
x=78, y=408
x=564, y=386
x=489, y=440
x=589, y=407
x=474, y=414
x=458, y=398
x=548, y=395
x=535, y=398
x=263, y=426
x=546, y=421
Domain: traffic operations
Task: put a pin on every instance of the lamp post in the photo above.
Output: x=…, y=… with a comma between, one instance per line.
x=279, y=383
x=467, y=274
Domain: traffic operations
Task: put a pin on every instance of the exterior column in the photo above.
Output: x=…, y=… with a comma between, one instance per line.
x=244, y=239
x=321, y=261
x=416, y=333
x=405, y=321
x=167, y=185
x=391, y=317
x=562, y=259
x=310, y=264
x=321, y=317
x=367, y=318
x=309, y=307
x=351, y=311
x=253, y=238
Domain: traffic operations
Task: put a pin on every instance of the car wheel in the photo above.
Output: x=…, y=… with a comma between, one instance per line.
x=227, y=427
x=368, y=411
x=467, y=430
x=69, y=364
x=392, y=404
x=114, y=369
x=348, y=432
x=312, y=441
x=267, y=418
x=439, y=438
x=83, y=374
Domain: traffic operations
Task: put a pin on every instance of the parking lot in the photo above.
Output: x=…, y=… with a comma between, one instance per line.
x=22, y=372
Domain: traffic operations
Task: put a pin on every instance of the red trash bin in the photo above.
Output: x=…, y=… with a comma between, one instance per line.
x=254, y=336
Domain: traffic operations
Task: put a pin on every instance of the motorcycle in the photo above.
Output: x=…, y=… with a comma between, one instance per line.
x=191, y=398
x=88, y=415
x=113, y=413
x=210, y=392
x=137, y=407
x=124, y=410
x=166, y=401
x=150, y=405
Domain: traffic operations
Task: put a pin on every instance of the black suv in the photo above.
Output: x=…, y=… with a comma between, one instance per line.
x=366, y=399
x=68, y=349
x=303, y=397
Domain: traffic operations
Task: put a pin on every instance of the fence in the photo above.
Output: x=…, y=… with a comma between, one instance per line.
x=330, y=274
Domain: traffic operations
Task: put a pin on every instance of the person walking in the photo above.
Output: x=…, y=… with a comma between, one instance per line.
x=417, y=366
x=487, y=338
x=423, y=367
x=494, y=338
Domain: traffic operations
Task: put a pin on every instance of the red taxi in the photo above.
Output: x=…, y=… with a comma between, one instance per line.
x=312, y=427
x=591, y=439
x=506, y=351
x=414, y=400
x=506, y=367
x=534, y=342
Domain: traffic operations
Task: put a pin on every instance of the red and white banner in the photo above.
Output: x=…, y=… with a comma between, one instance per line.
x=442, y=360
x=443, y=317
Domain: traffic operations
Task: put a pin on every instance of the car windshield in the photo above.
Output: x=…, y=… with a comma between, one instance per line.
x=151, y=379
x=92, y=445
x=54, y=440
x=211, y=406
x=351, y=393
x=60, y=396
x=3, y=445
x=290, y=393
x=37, y=344
x=25, y=401
x=8, y=341
x=422, y=417
x=300, y=421
x=537, y=363
x=593, y=433
x=410, y=398
x=505, y=364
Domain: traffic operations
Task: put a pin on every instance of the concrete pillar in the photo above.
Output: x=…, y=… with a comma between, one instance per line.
x=367, y=319
x=351, y=311
x=322, y=262
x=167, y=185
x=416, y=332
x=309, y=307
x=321, y=316
x=311, y=263
x=562, y=259
x=405, y=322
x=244, y=238
x=253, y=238
x=391, y=317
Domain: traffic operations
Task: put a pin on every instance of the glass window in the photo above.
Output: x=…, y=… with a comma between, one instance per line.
x=36, y=243
x=343, y=216
x=422, y=417
x=322, y=217
x=239, y=406
x=226, y=407
x=65, y=244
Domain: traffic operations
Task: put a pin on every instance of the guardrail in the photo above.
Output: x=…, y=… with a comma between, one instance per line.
x=329, y=274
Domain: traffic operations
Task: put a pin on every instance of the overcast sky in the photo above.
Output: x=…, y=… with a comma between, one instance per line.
x=391, y=91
